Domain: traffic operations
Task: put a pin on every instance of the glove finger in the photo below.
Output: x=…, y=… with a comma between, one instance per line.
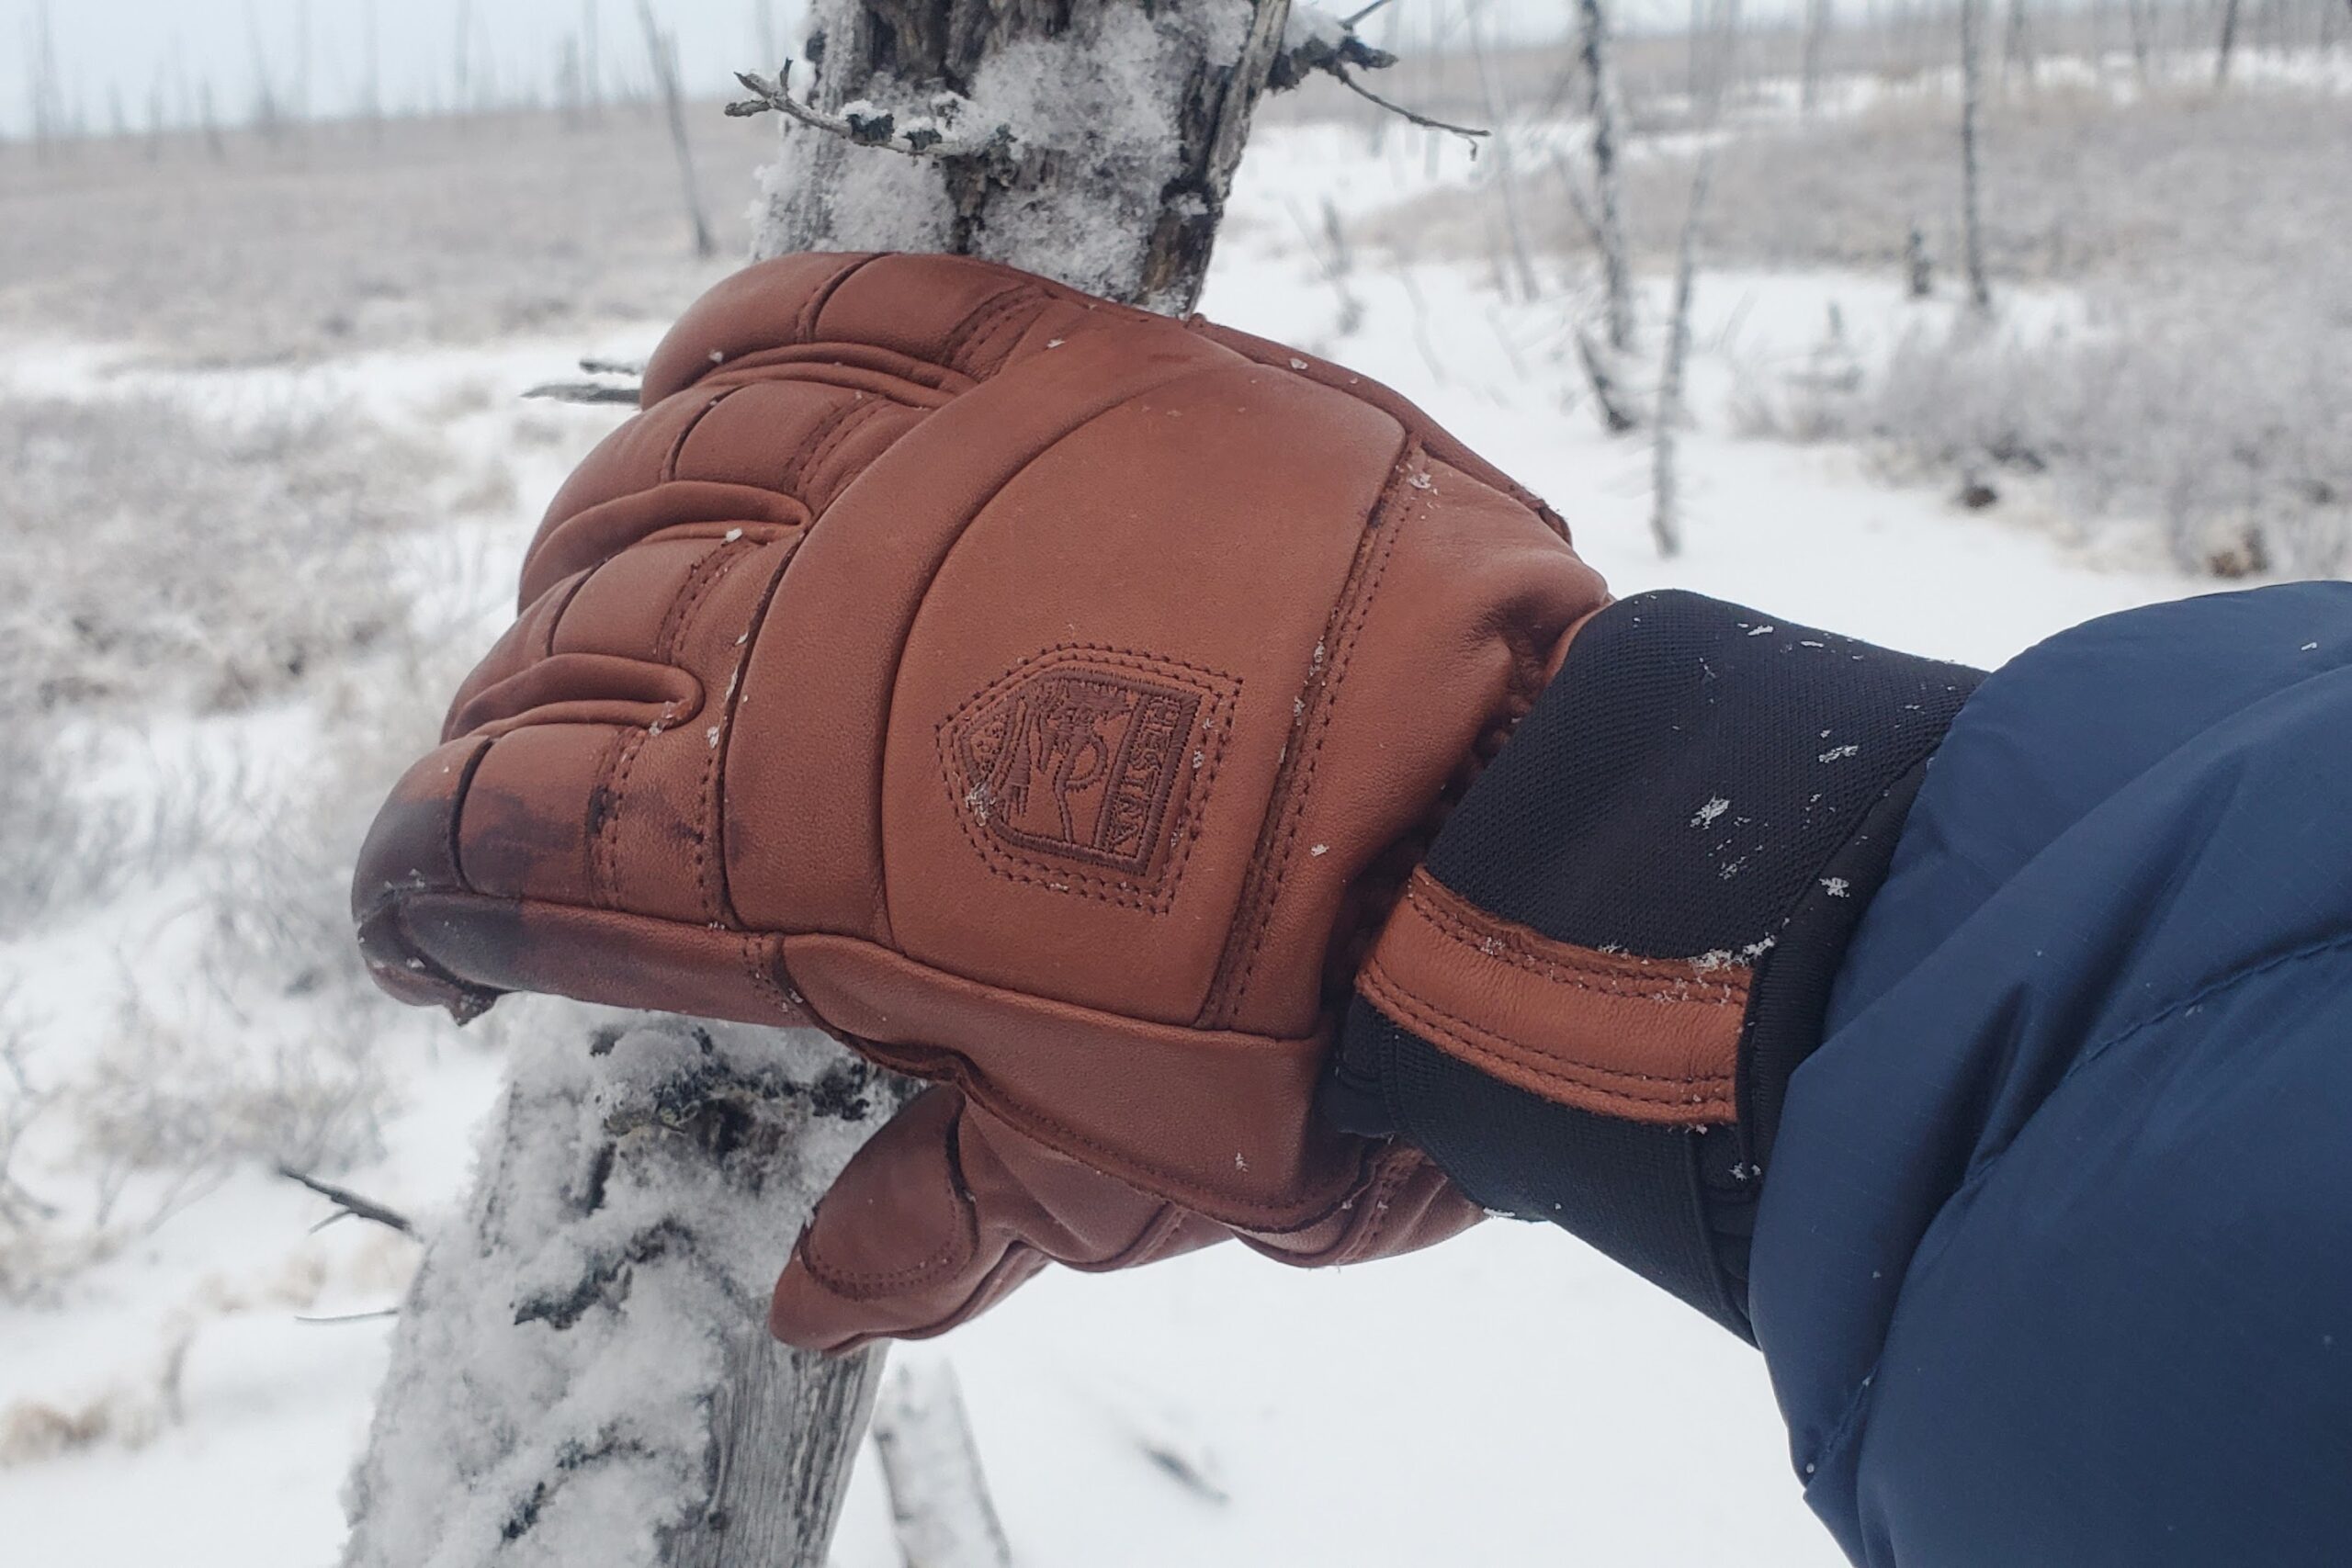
x=566, y=837
x=1406, y=1203
x=943, y=1213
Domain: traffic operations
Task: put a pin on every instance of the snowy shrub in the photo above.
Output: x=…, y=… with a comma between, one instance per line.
x=2226, y=429
x=158, y=557
x=53, y=844
x=24, y=1218
x=451, y=230
x=183, y=1095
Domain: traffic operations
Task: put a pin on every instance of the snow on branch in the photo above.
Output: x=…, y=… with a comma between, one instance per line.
x=932, y=135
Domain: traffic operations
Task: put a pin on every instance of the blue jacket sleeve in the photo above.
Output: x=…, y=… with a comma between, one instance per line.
x=2053, y=1263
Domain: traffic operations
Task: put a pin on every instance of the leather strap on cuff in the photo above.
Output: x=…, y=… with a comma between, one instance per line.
x=1587, y=1003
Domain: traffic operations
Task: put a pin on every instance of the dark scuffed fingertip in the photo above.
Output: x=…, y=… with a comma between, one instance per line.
x=411, y=850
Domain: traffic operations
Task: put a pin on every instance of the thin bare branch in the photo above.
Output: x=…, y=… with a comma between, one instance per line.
x=350, y=1202
x=585, y=392
x=1470, y=134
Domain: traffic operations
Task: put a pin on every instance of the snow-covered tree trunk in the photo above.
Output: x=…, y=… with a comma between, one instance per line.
x=582, y=1375
x=1111, y=132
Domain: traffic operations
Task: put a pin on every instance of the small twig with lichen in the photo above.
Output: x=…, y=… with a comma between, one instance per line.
x=1470, y=134
x=350, y=1203
x=929, y=136
x=1312, y=51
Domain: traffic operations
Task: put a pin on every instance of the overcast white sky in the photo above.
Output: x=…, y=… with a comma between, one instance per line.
x=130, y=46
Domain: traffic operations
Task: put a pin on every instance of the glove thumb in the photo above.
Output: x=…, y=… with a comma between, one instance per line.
x=945, y=1212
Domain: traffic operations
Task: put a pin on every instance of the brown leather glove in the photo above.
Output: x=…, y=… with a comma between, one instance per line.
x=1043, y=697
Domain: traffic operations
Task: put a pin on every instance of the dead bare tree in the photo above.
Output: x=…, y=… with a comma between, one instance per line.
x=371, y=91
x=1819, y=16
x=661, y=52
x=1918, y=268
x=269, y=108
x=41, y=71
x=580, y=1375
x=214, y=142
x=1600, y=208
x=1665, y=485
x=2017, y=47
x=462, y=70
x=1972, y=110
x=591, y=68
x=2136, y=13
x=1602, y=102
x=1506, y=169
x=2228, y=45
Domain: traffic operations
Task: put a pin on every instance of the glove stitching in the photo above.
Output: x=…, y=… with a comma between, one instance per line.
x=1164, y=1220
x=1394, y=1173
x=860, y=1284
x=983, y=319
x=959, y=1193
x=721, y=896
x=668, y=471
x=1020, y=325
x=1353, y=609
x=861, y=413
x=1470, y=1041
x=757, y=954
x=813, y=307
x=613, y=784
x=1630, y=976
x=1042, y=1127
x=569, y=591
x=790, y=477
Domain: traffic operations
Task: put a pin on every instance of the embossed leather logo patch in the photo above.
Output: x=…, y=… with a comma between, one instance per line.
x=1082, y=768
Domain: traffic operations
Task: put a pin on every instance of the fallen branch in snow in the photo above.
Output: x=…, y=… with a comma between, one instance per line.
x=939, y=1500
x=348, y=1203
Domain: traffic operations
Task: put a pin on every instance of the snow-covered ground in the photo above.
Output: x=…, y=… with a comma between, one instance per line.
x=1509, y=1398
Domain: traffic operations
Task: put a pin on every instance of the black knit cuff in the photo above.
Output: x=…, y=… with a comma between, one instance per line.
x=1623, y=942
